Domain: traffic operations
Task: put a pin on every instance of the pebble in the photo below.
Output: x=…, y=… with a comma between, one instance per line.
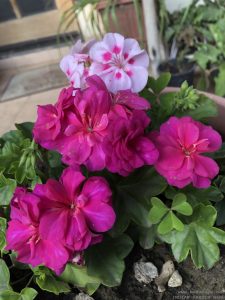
x=145, y=272
x=83, y=296
x=167, y=271
x=175, y=280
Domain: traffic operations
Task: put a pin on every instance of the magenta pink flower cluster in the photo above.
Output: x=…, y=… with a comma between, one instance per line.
x=97, y=129
x=100, y=122
x=58, y=219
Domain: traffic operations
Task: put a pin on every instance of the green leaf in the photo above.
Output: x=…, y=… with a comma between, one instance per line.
x=26, y=129
x=2, y=240
x=219, y=81
x=78, y=277
x=3, y=224
x=187, y=98
x=220, y=207
x=36, y=180
x=48, y=282
x=196, y=196
x=136, y=191
x=170, y=222
x=7, y=187
x=105, y=261
x=205, y=54
x=199, y=238
x=167, y=102
x=26, y=294
x=8, y=154
x=206, y=109
x=143, y=183
x=158, y=210
x=147, y=236
x=4, y=276
x=136, y=210
x=54, y=159
x=122, y=218
x=157, y=85
x=181, y=205
x=13, y=136
x=166, y=218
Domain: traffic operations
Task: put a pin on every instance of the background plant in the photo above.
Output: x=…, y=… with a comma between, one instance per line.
x=196, y=33
x=108, y=15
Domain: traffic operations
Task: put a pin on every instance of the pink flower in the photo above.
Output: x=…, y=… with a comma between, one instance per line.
x=120, y=63
x=125, y=102
x=131, y=100
x=75, y=210
x=126, y=146
x=23, y=234
x=81, y=50
x=50, y=121
x=181, y=143
x=75, y=65
x=74, y=71
x=86, y=127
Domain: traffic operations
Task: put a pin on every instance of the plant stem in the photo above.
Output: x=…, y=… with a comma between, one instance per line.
x=30, y=280
x=21, y=279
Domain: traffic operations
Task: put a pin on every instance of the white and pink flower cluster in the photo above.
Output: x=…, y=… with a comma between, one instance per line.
x=100, y=122
x=119, y=62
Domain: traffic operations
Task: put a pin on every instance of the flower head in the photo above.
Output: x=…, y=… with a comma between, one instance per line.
x=24, y=236
x=181, y=143
x=86, y=127
x=126, y=147
x=50, y=122
x=74, y=210
x=81, y=50
x=120, y=62
x=75, y=65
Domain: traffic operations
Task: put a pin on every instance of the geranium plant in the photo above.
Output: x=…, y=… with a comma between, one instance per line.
x=104, y=168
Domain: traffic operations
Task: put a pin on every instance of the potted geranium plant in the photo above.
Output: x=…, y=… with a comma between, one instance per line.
x=104, y=168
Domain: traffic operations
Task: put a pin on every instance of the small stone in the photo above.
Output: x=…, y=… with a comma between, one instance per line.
x=175, y=280
x=83, y=296
x=167, y=271
x=145, y=272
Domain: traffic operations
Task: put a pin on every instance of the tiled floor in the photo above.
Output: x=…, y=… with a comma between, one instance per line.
x=24, y=109
x=32, y=81
x=42, y=73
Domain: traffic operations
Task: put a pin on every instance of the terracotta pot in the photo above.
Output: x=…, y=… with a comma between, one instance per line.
x=217, y=122
x=126, y=19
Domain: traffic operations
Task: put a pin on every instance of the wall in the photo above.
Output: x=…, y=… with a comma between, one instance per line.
x=173, y=5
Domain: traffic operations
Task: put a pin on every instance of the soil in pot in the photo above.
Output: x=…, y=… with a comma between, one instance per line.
x=197, y=284
x=180, y=71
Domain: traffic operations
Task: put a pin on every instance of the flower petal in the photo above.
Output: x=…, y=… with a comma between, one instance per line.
x=72, y=180
x=205, y=166
x=139, y=78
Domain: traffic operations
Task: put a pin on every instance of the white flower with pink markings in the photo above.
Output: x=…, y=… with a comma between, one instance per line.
x=76, y=64
x=120, y=63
